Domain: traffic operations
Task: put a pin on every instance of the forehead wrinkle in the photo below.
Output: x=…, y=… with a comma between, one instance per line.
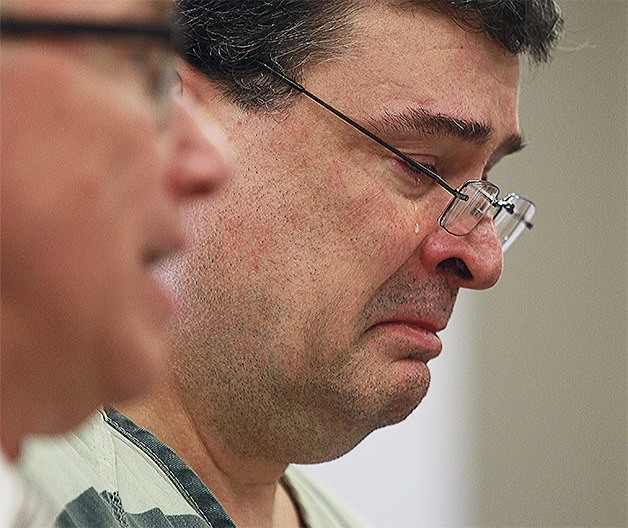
x=422, y=121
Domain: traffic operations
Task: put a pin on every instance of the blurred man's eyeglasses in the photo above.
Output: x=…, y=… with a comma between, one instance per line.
x=154, y=54
x=473, y=201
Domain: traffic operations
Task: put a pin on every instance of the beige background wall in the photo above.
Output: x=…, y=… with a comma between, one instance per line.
x=553, y=366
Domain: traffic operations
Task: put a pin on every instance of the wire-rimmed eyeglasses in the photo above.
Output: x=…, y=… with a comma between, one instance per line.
x=473, y=201
x=155, y=55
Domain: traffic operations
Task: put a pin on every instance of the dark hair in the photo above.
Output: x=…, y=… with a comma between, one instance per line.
x=226, y=40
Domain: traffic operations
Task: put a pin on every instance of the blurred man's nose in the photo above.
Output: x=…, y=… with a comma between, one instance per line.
x=201, y=158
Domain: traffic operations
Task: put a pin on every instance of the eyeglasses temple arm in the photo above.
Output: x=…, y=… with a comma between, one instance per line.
x=14, y=26
x=420, y=167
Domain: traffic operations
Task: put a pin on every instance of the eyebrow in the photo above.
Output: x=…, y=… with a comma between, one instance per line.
x=428, y=123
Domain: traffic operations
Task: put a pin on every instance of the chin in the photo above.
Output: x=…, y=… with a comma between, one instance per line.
x=343, y=434
x=400, y=404
x=400, y=410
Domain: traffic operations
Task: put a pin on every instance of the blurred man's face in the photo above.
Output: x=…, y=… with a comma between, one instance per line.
x=92, y=178
x=332, y=275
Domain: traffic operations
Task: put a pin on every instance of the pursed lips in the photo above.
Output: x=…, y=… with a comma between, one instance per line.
x=421, y=334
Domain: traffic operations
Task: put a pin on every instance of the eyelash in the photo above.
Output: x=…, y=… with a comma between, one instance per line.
x=416, y=174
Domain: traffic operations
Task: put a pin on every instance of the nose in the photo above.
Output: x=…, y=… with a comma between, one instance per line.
x=200, y=159
x=472, y=261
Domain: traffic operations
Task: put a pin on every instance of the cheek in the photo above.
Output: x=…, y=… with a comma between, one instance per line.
x=384, y=229
x=364, y=235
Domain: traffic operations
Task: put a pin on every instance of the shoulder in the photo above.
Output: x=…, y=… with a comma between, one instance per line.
x=319, y=506
x=104, y=474
x=62, y=468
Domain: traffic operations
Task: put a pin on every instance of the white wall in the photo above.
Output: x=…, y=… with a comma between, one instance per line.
x=526, y=422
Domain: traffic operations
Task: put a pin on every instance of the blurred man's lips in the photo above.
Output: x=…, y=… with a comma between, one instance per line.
x=158, y=252
x=154, y=255
x=420, y=335
x=160, y=298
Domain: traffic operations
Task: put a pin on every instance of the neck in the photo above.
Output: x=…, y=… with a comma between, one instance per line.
x=16, y=384
x=37, y=395
x=249, y=489
x=10, y=443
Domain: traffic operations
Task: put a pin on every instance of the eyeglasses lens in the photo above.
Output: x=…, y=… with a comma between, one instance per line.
x=162, y=77
x=461, y=217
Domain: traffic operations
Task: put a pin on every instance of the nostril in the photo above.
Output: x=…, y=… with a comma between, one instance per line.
x=457, y=267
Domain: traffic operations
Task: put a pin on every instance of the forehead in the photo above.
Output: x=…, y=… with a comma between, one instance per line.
x=105, y=10
x=407, y=56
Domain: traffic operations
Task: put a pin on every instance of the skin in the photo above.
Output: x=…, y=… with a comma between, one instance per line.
x=92, y=183
x=330, y=270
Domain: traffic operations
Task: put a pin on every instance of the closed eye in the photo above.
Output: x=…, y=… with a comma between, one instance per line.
x=418, y=180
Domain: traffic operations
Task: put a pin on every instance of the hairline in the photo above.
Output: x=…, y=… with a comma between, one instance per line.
x=251, y=88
